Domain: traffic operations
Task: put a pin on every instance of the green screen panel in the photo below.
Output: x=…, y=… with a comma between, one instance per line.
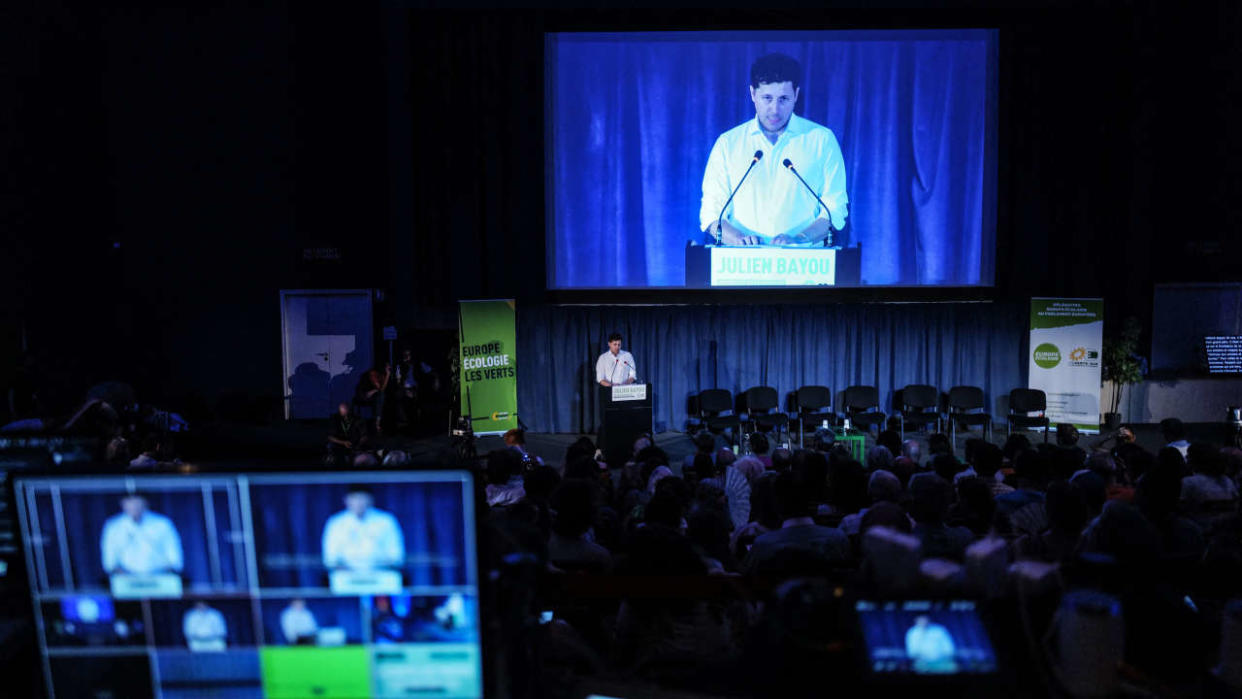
x=296, y=673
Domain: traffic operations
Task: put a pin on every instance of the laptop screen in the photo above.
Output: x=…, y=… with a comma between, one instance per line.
x=360, y=584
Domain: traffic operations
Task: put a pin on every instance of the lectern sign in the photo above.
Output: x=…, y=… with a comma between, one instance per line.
x=766, y=266
x=634, y=391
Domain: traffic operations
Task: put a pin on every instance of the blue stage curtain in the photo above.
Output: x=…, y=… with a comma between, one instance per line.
x=682, y=350
x=632, y=124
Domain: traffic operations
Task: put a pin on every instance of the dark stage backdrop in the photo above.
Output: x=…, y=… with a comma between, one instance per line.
x=634, y=119
x=682, y=350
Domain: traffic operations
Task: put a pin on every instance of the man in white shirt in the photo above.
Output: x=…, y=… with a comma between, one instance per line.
x=773, y=207
x=362, y=537
x=930, y=646
x=140, y=542
x=203, y=626
x=616, y=366
x=297, y=623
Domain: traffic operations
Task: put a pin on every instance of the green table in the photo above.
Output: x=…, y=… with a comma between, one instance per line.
x=854, y=440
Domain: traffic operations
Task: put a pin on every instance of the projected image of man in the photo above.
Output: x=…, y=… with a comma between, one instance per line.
x=930, y=646
x=140, y=542
x=204, y=628
x=298, y=623
x=362, y=537
x=772, y=207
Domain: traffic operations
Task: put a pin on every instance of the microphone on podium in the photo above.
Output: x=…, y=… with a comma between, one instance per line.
x=789, y=164
x=719, y=219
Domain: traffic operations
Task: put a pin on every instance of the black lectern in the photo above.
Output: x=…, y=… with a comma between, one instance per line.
x=625, y=413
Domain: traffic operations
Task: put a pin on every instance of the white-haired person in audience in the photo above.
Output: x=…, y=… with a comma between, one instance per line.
x=879, y=458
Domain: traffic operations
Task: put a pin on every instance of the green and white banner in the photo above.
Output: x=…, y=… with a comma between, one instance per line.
x=1067, y=337
x=488, y=354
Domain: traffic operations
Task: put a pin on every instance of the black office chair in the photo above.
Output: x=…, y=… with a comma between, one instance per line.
x=963, y=400
x=762, y=405
x=920, y=405
x=862, y=406
x=813, y=405
x=716, y=411
x=1023, y=402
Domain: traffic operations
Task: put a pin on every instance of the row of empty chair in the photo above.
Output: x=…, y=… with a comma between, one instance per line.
x=917, y=405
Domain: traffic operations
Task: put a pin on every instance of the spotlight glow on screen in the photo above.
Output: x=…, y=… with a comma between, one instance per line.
x=852, y=157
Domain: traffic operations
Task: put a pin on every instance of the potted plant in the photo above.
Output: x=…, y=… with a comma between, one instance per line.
x=1122, y=366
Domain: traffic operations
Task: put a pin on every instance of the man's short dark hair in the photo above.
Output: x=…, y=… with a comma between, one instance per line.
x=1173, y=429
x=615, y=337
x=758, y=443
x=705, y=442
x=775, y=68
x=359, y=488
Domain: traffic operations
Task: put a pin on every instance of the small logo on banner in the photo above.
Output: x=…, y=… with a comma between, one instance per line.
x=1047, y=356
x=1078, y=353
x=498, y=416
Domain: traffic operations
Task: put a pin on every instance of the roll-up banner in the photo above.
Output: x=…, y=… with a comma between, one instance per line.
x=488, y=355
x=1067, y=338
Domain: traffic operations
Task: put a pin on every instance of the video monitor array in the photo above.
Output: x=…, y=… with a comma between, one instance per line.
x=273, y=585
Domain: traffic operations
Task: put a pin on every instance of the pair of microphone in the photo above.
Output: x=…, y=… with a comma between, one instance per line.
x=789, y=166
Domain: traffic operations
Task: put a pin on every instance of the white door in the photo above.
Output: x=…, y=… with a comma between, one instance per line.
x=327, y=347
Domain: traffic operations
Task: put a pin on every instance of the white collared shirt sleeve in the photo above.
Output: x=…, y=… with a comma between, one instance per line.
x=833, y=191
x=391, y=544
x=110, y=545
x=333, y=541
x=602, y=368
x=716, y=186
x=171, y=542
x=631, y=370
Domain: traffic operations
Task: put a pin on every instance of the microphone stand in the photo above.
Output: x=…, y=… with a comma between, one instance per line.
x=719, y=219
x=787, y=163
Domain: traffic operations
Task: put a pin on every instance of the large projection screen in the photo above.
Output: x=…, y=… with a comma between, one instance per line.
x=891, y=136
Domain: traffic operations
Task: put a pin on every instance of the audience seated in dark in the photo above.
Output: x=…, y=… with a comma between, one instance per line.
x=504, y=478
x=938, y=443
x=879, y=458
x=930, y=498
x=759, y=448
x=1209, y=485
x=704, y=445
x=347, y=436
x=1174, y=432
x=571, y=547
x=782, y=459
x=890, y=440
x=974, y=509
x=1022, y=510
x=798, y=529
x=1157, y=496
x=987, y=459
x=1067, y=515
x=847, y=488
x=882, y=486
